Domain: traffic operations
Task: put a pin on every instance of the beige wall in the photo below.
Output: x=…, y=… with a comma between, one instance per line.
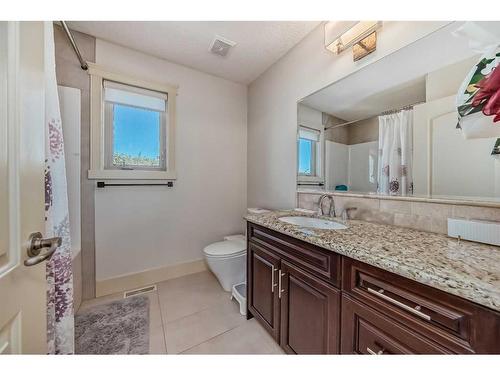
x=429, y=217
x=363, y=131
x=310, y=117
x=339, y=134
x=143, y=228
x=272, y=106
x=445, y=82
x=358, y=132
x=69, y=73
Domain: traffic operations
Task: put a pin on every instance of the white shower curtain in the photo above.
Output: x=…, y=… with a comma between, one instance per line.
x=395, y=147
x=60, y=319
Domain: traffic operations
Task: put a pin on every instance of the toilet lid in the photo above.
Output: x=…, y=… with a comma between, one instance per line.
x=225, y=248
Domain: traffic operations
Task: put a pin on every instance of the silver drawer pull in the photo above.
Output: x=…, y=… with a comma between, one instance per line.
x=413, y=310
x=373, y=353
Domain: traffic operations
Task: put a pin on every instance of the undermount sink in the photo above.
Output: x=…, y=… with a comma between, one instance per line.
x=312, y=222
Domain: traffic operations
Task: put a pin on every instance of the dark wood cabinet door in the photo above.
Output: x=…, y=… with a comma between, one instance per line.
x=310, y=313
x=263, y=302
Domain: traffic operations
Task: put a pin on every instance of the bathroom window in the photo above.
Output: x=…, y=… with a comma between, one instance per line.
x=308, y=149
x=132, y=127
x=135, y=124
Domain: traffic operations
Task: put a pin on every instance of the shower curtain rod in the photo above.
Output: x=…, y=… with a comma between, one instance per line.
x=83, y=63
x=409, y=106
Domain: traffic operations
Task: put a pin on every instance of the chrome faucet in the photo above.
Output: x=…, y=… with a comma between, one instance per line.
x=332, y=205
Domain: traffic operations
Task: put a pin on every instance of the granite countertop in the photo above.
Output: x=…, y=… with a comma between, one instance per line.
x=466, y=269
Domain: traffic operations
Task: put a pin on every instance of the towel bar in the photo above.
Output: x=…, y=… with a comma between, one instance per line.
x=102, y=184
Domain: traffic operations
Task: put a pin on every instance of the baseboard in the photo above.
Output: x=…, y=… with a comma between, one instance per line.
x=140, y=279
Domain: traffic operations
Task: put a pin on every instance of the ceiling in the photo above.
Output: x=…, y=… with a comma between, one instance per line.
x=396, y=80
x=258, y=43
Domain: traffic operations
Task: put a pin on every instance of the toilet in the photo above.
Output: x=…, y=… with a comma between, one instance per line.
x=227, y=260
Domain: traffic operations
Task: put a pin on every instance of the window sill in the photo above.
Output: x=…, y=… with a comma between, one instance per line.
x=303, y=178
x=117, y=174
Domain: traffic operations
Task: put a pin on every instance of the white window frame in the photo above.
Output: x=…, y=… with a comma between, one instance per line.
x=317, y=155
x=100, y=167
x=109, y=139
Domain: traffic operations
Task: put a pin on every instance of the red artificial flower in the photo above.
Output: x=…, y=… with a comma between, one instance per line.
x=488, y=95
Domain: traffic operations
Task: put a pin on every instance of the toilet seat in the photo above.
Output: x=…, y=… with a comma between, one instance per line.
x=225, y=249
x=227, y=260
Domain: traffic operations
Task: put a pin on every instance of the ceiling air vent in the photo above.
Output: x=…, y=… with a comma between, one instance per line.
x=221, y=46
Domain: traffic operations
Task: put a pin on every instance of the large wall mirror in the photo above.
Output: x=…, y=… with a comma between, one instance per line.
x=390, y=128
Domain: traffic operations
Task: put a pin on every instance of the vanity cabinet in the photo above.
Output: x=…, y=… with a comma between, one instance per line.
x=315, y=301
x=292, y=292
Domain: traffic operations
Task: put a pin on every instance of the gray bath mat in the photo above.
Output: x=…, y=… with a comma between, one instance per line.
x=119, y=327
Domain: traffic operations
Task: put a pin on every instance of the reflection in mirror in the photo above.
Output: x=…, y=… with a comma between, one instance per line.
x=414, y=123
x=310, y=147
x=308, y=151
x=351, y=152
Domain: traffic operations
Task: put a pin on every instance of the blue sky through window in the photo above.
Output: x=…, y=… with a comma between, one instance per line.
x=136, y=132
x=305, y=155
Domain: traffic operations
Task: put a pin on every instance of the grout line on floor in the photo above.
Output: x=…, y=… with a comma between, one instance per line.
x=163, y=324
x=211, y=338
x=193, y=313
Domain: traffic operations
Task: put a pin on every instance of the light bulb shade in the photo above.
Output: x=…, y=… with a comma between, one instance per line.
x=340, y=35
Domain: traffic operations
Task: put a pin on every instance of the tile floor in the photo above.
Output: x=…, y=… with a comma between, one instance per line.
x=194, y=315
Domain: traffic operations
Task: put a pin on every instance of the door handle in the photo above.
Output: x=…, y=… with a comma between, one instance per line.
x=373, y=352
x=273, y=270
x=280, y=291
x=36, y=243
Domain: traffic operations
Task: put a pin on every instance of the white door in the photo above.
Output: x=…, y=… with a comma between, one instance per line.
x=425, y=116
x=22, y=288
x=444, y=162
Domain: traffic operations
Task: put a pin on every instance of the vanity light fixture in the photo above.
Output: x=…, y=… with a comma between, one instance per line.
x=361, y=35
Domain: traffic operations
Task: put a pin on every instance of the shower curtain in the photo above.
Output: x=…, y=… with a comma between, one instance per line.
x=395, y=148
x=60, y=319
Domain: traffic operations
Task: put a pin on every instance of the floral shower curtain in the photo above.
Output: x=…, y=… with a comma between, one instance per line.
x=60, y=319
x=395, y=148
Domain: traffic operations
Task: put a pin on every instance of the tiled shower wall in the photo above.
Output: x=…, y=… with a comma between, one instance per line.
x=69, y=73
x=426, y=216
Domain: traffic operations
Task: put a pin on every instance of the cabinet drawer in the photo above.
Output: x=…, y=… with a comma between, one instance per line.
x=447, y=319
x=366, y=331
x=322, y=263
